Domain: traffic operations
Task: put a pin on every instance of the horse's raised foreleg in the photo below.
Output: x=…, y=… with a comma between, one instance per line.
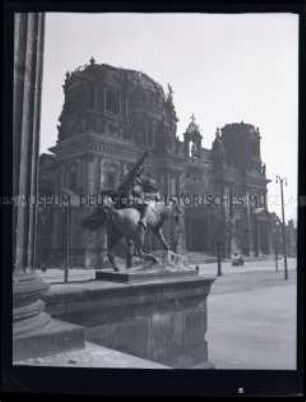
x=159, y=233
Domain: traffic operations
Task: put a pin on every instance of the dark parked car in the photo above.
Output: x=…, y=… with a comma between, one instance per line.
x=237, y=259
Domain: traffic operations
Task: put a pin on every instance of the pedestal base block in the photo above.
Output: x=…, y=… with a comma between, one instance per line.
x=137, y=275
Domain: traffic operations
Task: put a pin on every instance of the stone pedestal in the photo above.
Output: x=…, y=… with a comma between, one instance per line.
x=161, y=320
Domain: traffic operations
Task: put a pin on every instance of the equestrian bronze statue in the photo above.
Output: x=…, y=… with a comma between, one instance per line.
x=130, y=211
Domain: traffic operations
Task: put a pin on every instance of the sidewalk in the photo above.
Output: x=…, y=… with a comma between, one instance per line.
x=253, y=329
x=203, y=258
x=248, y=281
x=249, y=266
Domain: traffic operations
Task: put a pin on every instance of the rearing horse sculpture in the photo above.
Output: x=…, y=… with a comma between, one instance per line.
x=131, y=221
x=124, y=223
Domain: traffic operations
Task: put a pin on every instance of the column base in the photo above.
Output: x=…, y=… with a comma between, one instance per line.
x=55, y=337
x=35, y=333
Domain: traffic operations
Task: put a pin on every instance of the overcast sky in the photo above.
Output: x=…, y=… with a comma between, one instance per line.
x=223, y=68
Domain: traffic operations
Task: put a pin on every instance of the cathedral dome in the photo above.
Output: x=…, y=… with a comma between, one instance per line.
x=117, y=102
x=132, y=79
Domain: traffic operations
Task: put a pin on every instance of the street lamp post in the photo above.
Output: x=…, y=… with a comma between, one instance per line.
x=71, y=196
x=219, y=236
x=67, y=243
x=275, y=233
x=276, y=254
x=281, y=181
x=219, y=272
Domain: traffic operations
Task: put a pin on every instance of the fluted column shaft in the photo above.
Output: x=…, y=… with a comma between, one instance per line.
x=28, y=59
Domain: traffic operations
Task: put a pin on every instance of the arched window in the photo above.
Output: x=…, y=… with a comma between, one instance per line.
x=73, y=181
x=255, y=148
x=111, y=180
x=91, y=89
x=112, y=101
x=100, y=100
x=150, y=133
x=75, y=98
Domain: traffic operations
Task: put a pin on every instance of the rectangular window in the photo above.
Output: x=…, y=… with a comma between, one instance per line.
x=91, y=93
x=112, y=101
x=73, y=179
x=150, y=133
x=111, y=181
x=173, y=186
x=100, y=100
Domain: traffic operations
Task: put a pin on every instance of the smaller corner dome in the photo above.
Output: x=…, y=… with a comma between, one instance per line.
x=241, y=127
x=193, y=128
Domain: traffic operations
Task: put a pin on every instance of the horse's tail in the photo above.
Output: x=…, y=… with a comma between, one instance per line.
x=96, y=219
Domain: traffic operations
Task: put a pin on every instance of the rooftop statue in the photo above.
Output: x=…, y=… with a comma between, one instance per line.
x=193, y=127
x=170, y=91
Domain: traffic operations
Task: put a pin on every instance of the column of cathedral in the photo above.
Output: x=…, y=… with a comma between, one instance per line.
x=84, y=169
x=249, y=225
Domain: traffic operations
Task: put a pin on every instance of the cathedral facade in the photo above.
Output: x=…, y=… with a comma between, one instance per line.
x=110, y=117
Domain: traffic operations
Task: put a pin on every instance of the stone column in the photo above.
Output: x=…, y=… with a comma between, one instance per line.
x=84, y=164
x=182, y=224
x=257, y=241
x=249, y=224
x=26, y=117
x=30, y=337
x=167, y=183
x=96, y=174
x=99, y=173
x=259, y=238
x=28, y=311
x=57, y=215
x=91, y=173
